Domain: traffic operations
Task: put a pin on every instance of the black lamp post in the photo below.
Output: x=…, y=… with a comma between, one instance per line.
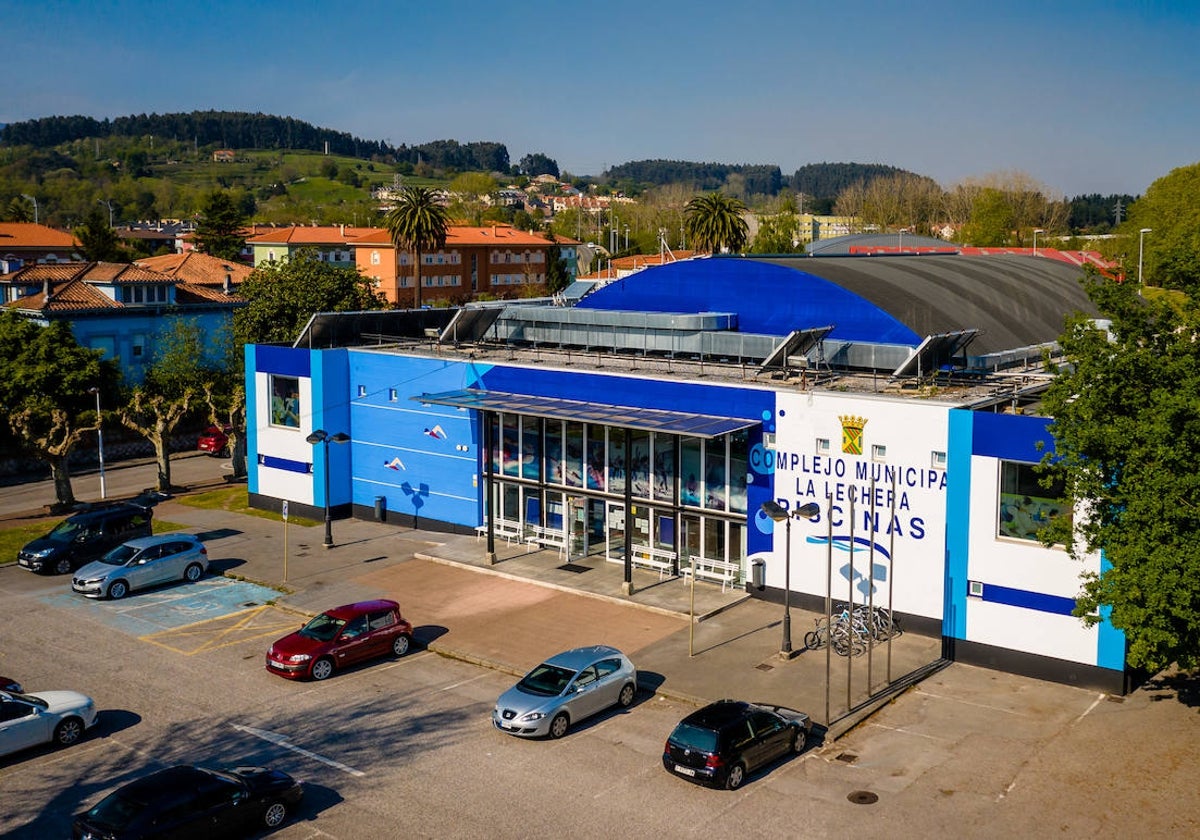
x=780, y=514
x=323, y=437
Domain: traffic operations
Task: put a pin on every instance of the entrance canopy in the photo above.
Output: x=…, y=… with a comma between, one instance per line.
x=642, y=419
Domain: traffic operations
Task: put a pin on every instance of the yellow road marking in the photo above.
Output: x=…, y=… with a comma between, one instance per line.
x=231, y=629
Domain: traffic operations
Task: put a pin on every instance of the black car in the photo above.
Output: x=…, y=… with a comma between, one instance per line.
x=723, y=742
x=84, y=537
x=192, y=802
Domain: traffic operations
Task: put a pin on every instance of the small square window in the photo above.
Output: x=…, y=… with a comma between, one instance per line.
x=938, y=460
x=822, y=446
x=392, y=394
x=878, y=452
x=975, y=589
x=362, y=390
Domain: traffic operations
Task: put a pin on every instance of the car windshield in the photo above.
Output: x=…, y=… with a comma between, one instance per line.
x=323, y=628
x=546, y=680
x=31, y=700
x=119, y=556
x=64, y=531
x=694, y=738
x=115, y=811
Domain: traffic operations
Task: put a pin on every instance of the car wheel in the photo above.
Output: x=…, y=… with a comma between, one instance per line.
x=193, y=572
x=68, y=731
x=62, y=566
x=118, y=590
x=625, y=698
x=322, y=669
x=560, y=725
x=275, y=814
x=799, y=741
x=737, y=775
x=400, y=645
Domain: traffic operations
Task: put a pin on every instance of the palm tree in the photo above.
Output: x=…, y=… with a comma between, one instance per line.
x=417, y=224
x=714, y=221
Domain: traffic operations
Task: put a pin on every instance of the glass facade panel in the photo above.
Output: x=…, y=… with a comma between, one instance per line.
x=595, y=458
x=510, y=434
x=714, y=475
x=664, y=467
x=616, y=460
x=689, y=472
x=737, y=544
x=530, y=450
x=738, y=470
x=554, y=448
x=639, y=464
x=714, y=539
x=573, y=461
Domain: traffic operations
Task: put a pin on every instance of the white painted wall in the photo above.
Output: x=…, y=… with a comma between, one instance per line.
x=911, y=432
x=285, y=443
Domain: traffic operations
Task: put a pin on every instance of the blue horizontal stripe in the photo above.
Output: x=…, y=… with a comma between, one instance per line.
x=1041, y=602
x=285, y=464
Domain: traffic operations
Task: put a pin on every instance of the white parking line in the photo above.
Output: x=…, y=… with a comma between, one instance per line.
x=279, y=740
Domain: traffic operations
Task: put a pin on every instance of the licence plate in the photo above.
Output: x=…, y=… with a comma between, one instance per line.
x=271, y=663
x=687, y=771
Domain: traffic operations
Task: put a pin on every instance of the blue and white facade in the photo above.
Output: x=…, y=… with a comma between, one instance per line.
x=928, y=503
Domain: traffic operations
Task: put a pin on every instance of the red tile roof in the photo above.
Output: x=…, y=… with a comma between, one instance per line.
x=464, y=235
x=29, y=235
x=193, y=267
x=299, y=235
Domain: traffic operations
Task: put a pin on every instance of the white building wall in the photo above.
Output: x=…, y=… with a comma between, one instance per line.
x=289, y=443
x=911, y=433
x=1023, y=565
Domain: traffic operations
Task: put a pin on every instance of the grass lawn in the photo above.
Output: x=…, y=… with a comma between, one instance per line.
x=237, y=500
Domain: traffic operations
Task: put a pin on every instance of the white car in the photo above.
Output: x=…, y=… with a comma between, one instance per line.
x=59, y=717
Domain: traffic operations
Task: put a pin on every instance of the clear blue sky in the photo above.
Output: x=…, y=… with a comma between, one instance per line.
x=1098, y=96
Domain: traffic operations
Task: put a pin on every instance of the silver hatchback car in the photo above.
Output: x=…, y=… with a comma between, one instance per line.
x=565, y=689
x=137, y=564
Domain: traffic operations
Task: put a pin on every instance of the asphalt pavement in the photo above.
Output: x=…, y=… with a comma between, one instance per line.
x=694, y=642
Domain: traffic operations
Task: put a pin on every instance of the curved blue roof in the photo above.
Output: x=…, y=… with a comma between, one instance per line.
x=768, y=299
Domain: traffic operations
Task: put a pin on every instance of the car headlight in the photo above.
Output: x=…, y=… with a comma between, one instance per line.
x=43, y=553
x=532, y=716
x=299, y=657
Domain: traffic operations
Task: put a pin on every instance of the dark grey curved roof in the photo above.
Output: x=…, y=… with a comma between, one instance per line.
x=842, y=244
x=1016, y=301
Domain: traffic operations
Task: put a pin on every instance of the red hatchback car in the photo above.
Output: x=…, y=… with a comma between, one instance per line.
x=341, y=637
x=214, y=441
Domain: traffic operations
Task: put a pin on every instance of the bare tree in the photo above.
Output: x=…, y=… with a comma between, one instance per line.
x=155, y=417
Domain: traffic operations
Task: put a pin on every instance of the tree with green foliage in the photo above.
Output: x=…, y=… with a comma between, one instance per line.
x=1126, y=425
x=418, y=223
x=557, y=275
x=99, y=241
x=281, y=297
x=991, y=222
x=1171, y=250
x=44, y=380
x=714, y=222
x=777, y=234
x=177, y=373
x=469, y=196
x=220, y=229
x=19, y=210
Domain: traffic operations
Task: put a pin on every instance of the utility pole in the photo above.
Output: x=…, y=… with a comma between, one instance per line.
x=1118, y=210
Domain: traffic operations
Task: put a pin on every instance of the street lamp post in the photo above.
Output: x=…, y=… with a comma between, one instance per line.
x=322, y=437
x=1036, y=231
x=1141, y=242
x=99, y=438
x=780, y=514
x=35, y=207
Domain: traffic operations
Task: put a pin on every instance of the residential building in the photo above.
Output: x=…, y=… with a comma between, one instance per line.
x=22, y=243
x=331, y=242
x=491, y=261
x=120, y=309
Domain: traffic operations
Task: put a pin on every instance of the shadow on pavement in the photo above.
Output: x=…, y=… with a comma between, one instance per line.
x=650, y=681
x=426, y=634
x=113, y=721
x=218, y=534
x=224, y=564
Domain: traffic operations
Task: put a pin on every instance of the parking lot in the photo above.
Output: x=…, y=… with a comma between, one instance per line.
x=406, y=745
